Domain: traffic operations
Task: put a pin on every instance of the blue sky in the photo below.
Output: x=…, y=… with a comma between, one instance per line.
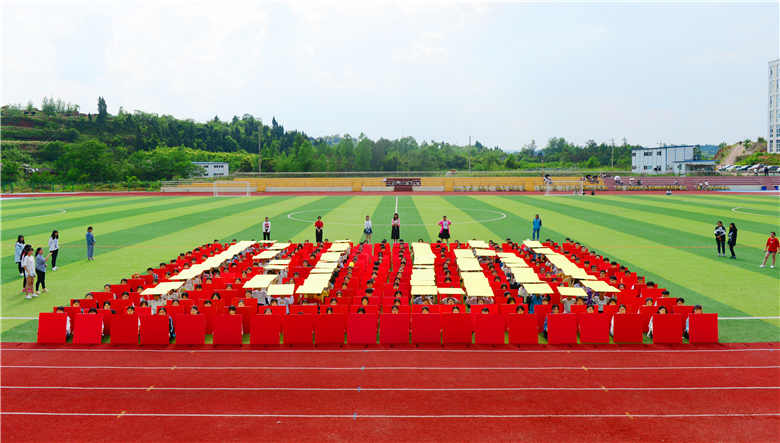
x=504, y=73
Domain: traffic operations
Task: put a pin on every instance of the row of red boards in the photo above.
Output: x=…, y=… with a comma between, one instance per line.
x=391, y=329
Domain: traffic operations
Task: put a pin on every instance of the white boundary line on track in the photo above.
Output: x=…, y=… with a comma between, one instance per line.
x=355, y=416
x=361, y=389
x=774, y=317
x=391, y=368
x=345, y=351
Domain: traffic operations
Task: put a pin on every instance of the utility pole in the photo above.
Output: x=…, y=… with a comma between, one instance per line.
x=612, y=161
x=259, y=149
x=469, y=151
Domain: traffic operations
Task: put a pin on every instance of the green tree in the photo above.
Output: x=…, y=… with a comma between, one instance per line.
x=592, y=162
x=362, y=155
x=102, y=111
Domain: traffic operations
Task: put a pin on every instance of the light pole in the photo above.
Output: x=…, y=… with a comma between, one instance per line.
x=259, y=149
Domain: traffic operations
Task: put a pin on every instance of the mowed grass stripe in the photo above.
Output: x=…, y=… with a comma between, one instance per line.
x=121, y=232
x=381, y=218
x=720, y=279
x=659, y=228
x=750, y=233
x=430, y=216
x=84, y=218
x=299, y=231
x=70, y=210
x=731, y=201
x=724, y=205
x=342, y=217
x=471, y=219
x=464, y=226
x=72, y=243
x=725, y=212
x=283, y=228
x=412, y=227
x=25, y=205
x=173, y=236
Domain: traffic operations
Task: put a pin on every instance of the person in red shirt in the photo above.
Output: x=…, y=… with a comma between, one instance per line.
x=318, y=229
x=772, y=244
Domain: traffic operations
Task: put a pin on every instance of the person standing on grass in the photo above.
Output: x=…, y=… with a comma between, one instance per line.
x=444, y=229
x=395, y=228
x=28, y=265
x=732, y=239
x=318, y=225
x=90, y=244
x=40, y=270
x=536, y=224
x=54, y=248
x=368, y=229
x=18, y=249
x=266, y=229
x=18, y=254
x=720, y=238
x=772, y=244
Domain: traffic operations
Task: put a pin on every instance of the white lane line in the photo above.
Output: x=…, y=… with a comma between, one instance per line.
x=360, y=389
x=355, y=415
x=392, y=368
x=396, y=204
x=775, y=317
x=363, y=351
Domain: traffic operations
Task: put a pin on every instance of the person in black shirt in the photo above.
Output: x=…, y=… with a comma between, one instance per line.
x=732, y=239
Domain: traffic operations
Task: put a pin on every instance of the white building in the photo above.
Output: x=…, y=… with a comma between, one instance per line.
x=667, y=160
x=774, y=108
x=214, y=169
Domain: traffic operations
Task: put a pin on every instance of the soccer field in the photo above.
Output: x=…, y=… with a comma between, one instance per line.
x=666, y=238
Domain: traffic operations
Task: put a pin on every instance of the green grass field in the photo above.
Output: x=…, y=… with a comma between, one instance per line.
x=667, y=238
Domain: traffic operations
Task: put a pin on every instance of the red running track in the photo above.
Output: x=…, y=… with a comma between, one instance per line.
x=715, y=393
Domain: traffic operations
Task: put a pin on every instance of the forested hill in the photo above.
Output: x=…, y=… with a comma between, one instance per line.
x=58, y=143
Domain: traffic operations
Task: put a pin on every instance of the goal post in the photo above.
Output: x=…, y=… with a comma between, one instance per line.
x=563, y=187
x=231, y=188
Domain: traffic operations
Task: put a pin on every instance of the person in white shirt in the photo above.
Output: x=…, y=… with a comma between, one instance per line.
x=368, y=229
x=266, y=229
x=54, y=248
x=28, y=265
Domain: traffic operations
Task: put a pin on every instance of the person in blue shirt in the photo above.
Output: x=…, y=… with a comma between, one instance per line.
x=90, y=244
x=536, y=223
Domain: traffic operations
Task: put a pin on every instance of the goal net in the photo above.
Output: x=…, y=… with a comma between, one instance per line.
x=562, y=187
x=231, y=189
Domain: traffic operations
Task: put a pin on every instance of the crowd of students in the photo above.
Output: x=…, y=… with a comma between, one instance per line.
x=32, y=264
x=375, y=278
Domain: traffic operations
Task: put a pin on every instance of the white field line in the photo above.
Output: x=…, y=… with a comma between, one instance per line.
x=396, y=204
x=390, y=368
x=355, y=415
x=737, y=210
x=399, y=389
x=380, y=350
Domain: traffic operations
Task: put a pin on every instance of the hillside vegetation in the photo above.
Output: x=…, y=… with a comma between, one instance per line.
x=58, y=144
x=746, y=152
